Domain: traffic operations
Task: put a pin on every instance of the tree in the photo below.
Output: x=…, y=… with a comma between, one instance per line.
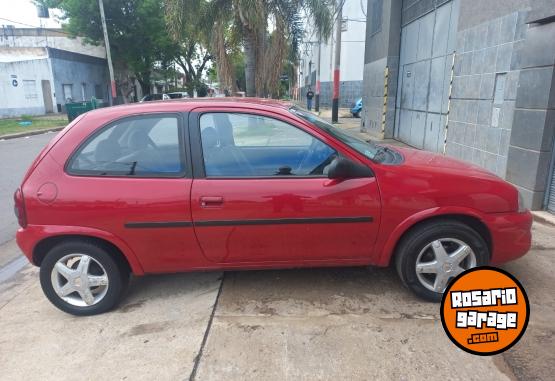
x=225, y=22
x=136, y=28
x=205, y=25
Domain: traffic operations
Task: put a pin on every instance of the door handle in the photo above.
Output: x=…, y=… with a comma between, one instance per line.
x=208, y=201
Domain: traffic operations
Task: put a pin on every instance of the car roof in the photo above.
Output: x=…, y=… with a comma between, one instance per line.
x=188, y=104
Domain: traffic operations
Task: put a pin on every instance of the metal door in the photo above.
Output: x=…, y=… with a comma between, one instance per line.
x=47, y=96
x=427, y=48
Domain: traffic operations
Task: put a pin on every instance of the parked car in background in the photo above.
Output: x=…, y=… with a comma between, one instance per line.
x=155, y=97
x=221, y=184
x=178, y=95
x=357, y=108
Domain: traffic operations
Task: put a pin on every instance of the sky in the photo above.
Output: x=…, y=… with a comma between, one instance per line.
x=23, y=14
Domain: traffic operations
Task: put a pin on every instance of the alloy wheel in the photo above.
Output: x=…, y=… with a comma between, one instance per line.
x=442, y=260
x=79, y=280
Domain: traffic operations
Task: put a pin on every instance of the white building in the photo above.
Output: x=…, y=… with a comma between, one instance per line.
x=352, y=57
x=43, y=69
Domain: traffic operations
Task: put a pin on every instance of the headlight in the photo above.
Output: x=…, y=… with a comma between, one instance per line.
x=521, y=207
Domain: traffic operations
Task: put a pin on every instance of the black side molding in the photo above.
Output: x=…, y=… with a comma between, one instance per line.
x=286, y=221
x=169, y=224
x=272, y=221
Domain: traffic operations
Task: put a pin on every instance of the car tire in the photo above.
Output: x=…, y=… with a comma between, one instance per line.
x=437, y=246
x=72, y=267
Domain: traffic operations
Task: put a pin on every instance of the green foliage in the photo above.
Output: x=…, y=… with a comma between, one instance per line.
x=136, y=28
x=150, y=34
x=202, y=90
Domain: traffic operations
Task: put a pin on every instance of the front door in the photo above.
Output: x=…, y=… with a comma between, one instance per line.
x=47, y=96
x=263, y=195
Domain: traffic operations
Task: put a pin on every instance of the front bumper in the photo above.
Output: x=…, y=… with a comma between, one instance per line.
x=511, y=235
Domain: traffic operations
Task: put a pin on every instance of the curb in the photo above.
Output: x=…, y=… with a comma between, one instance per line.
x=543, y=217
x=30, y=133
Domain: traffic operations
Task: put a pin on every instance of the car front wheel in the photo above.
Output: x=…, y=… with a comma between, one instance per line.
x=430, y=256
x=82, y=278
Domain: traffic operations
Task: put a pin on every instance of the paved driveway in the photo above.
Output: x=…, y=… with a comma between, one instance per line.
x=329, y=324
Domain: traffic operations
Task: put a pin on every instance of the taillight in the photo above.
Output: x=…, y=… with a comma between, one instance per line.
x=19, y=208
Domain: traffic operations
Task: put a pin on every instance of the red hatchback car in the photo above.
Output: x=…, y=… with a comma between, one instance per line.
x=249, y=184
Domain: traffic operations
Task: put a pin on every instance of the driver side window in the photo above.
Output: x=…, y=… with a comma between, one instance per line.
x=247, y=145
x=145, y=146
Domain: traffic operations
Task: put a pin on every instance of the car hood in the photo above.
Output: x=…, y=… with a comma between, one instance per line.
x=433, y=161
x=427, y=180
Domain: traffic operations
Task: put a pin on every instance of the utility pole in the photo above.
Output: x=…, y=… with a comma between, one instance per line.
x=335, y=103
x=317, y=102
x=108, y=55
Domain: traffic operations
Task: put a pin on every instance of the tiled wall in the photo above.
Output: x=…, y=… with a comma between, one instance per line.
x=349, y=93
x=486, y=76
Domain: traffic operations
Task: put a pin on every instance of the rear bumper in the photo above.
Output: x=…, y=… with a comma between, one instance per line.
x=511, y=235
x=26, y=240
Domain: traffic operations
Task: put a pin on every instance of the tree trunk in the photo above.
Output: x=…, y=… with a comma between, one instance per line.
x=249, y=42
x=144, y=81
x=261, y=59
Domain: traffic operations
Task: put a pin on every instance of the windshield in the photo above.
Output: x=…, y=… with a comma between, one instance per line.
x=368, y=149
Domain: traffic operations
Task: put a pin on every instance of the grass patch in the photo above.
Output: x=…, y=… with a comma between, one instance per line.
x=12, y=126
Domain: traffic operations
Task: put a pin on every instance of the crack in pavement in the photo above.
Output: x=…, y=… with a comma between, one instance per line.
x=198, y=357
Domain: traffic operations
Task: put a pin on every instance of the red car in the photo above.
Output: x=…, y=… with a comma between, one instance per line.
x=249, y=184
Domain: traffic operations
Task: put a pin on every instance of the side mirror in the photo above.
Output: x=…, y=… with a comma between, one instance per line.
x=342, y=168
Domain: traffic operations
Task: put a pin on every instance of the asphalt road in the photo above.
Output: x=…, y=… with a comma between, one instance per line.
x=15, y=157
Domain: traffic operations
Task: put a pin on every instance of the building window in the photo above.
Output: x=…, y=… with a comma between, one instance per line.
x=68, y=92
x=376, y=7
x=84, y=91
x=30, y=89
x=98, y=92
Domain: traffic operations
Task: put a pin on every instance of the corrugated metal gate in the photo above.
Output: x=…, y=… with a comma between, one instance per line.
x=426, y=56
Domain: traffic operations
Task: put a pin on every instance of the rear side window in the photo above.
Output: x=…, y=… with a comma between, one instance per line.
x=145, y=146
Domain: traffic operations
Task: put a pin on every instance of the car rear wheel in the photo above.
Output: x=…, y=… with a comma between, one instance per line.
x=82, y=278
x=430, y=256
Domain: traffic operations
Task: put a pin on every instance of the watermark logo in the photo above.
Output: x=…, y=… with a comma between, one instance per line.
x=485, y=311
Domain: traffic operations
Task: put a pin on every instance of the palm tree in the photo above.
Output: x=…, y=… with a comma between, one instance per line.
x=224, y=23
